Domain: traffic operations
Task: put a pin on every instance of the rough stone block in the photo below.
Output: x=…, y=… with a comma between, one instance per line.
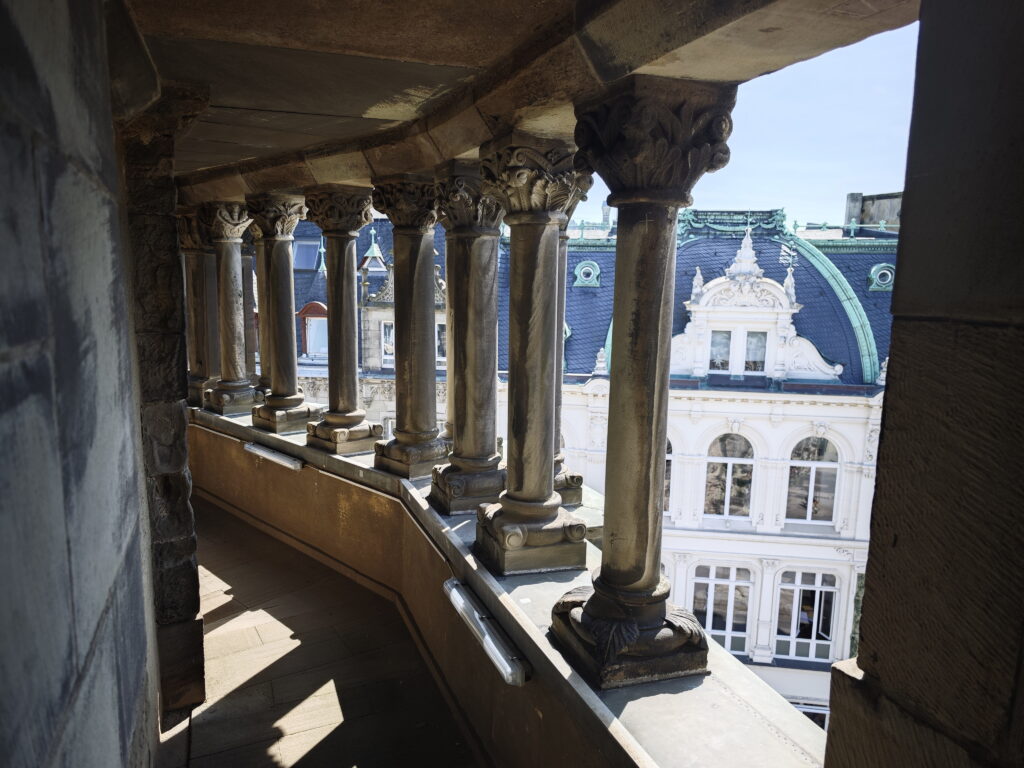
x=182, y=674
x=170, y=513
x=158, y=281
x=163, y=372
x=176, y=580
x=163, y=437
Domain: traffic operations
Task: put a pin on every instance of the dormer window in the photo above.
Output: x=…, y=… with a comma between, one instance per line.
x=721, y=347
x=757, y=346
x=588, y=275
x=750, y=352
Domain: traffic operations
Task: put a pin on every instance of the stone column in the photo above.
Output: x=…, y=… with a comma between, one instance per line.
x=283, y=410
x=262, y=307
x=472, y=222
x=408, y=201
x=650, y=139
x=529, y=530
x=568, y=484
x=225, y=222
x=341, y=211
x=249, y=310
x=193, y=252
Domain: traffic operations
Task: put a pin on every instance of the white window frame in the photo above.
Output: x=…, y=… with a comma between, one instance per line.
x=728, y=461
x=667, y=500
x=713, y=582
x=738, y=351
x=792, y=592
x=732, y=341
x=809, y=511
x=386, y=360
x=441, y=361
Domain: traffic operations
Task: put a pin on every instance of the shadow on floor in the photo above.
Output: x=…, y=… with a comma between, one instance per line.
x=304, y=667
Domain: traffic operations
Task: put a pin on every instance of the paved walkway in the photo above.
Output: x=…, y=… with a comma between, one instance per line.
x=304, y=667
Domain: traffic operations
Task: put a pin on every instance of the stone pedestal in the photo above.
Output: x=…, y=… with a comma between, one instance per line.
x=284, y=408
x=528, y=529
x=341, y=212
x=233, y=393
x=650, y=139
x=472, y=221
x=409, y=203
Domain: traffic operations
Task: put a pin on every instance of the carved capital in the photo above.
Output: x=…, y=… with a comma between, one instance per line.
x=276, y=215
x=529, y=175
x=191, y=236
x=653, y=138
x=338, y=209
x=408, y=200
x=461, y=201
x=225, y=221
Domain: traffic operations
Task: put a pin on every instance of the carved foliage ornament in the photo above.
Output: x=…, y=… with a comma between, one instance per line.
x=225, y=221
x=529, y=179
x=277, y=216
x=335, y=210
x=190, y=234
x=644, y=147
x=407, y=203
x=462, y=203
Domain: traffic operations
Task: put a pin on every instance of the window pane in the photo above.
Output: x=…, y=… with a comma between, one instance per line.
x=742, y=574
x=721, y=606
x=803, y=650
x=387, y=341
x=442, y=341
x=815, y=449
x=807, y=578
x=822, y=651
x=825, y=615
x=789, y=577
x=305, y=255
x=720, y=342
x=731, y=446
x=738, y=644
x=828, y=580
x=824, y=493
x=757, y=342
x=739, y=498
x=700, y=603
x=702, y=570
x=796, y=500
x=721, y=573
x=740, y=598
x=668, y=484
x=786, y=613
x=714, y=496
x=806, y=614
x=782, y=648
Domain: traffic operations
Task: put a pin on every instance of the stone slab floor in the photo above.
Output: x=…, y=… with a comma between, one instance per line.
x=303, y=667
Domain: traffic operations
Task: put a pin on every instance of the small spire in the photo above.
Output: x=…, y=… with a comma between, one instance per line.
x=744, y=267
x=601, y=363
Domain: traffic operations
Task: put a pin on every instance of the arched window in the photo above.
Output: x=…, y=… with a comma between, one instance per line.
x=730, y=474
x=813, y=468
x=667, y=506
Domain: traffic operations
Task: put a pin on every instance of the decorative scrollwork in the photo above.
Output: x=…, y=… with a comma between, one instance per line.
x=336, y=208
x=648, y=143
x=190, y=233
x=533, y=178
x=225, y=221
x=461, y=203
x=408, y=202
x=277, y=215
x=685, y=623
x=611, y=636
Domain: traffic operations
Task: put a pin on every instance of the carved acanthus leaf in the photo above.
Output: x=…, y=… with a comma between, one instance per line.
x=612, y=636
x=408, y=203
x=529, y=179
x=190, y=233
x=461, y=202
x=225, y=221
x=686, y=624
x=649, y=143
x=277, y=215
x=339, y=209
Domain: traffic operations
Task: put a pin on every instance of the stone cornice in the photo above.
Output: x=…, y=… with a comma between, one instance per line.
x=276, y=215
x=408, y=200
x=340, y=209
x=461, y=202
x=225, y=221
x=529, y=175
x=652, y=138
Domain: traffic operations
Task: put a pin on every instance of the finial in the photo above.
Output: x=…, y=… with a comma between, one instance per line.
x=881, y=226
x=790, y=285
x=601, y=364
x=697, y=289
x=373, y=236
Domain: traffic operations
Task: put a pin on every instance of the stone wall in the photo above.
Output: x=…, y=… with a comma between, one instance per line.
x=941, y=645
x=78, y=664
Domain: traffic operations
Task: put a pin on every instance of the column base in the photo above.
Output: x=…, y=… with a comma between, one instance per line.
x=409, y=459
x=569, y=486
x=284, y=420
x=344, y=440
x=196, y=392
x=453, y=490
x=514, y=536
x=633, y=647
x=231, y=402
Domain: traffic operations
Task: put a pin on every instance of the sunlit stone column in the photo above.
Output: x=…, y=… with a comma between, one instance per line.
x=262, y=304
x=472, y=221
x=568, y=484
x=341, y=211
x=529, y=530
x=225, y=223
x=200, y=338
x=408, y=201
x=249, y=309
x=283, y=410
x=650, y=139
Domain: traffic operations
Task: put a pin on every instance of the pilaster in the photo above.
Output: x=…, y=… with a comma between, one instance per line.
x=528, y=529
x=203, y=351
x=341, y=211
x=284, y=409
x=472, y=220
x=408, y=200
x=650, y=139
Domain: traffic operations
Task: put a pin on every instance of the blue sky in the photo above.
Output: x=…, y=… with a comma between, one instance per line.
x=807, y=135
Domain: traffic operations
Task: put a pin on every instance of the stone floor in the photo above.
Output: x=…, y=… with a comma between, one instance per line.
x=303, y=667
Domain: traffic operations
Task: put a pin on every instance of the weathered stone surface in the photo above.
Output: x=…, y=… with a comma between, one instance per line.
x=170, y=512
x=163, y=374
x=158, y=285
x=163, y=437
x=181, y=663
x=176, y=580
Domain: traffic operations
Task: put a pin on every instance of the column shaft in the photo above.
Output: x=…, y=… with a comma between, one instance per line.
x=197, y=334
x=249, y=312
x=266, y=342
x=568, y=484
x=342, y=331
